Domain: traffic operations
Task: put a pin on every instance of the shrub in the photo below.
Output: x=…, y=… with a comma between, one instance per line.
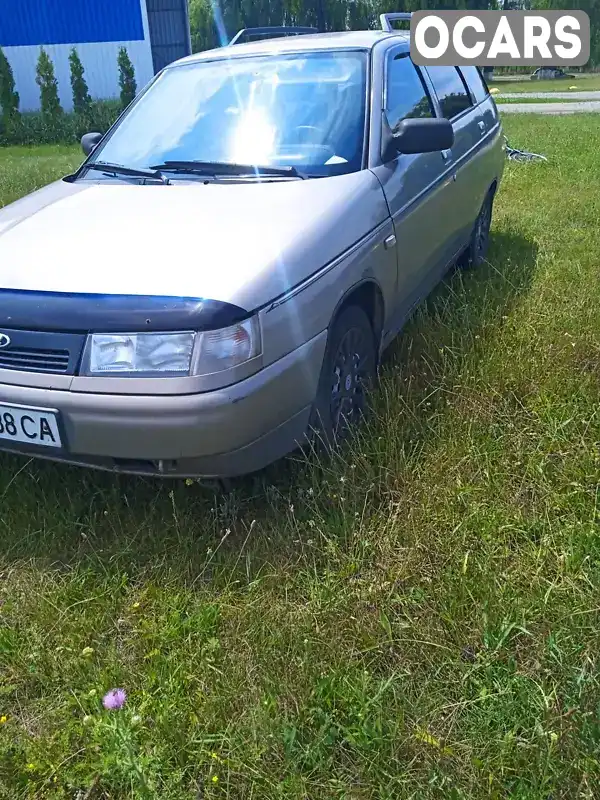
x=46, y=80
x=33, y=128
x=126, y=77
x=9, y=98
x=103, y=114
x=82, y=102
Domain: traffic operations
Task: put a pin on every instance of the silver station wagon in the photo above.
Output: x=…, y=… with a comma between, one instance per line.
x=221, y=275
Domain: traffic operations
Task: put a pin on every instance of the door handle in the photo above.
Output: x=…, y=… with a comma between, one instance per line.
x=481, y=125
x=447, y=155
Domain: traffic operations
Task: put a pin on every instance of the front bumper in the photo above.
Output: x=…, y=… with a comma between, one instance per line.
x=223, y=433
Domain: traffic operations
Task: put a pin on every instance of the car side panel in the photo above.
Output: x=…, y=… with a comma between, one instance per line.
x=469, y=175
x=476, y=162
x=308, y=308
x=419, y=197
x=416, y=190
x=460, y=169
x=492, y=142
x=480, y=166
x=488, y=145
x=486, y=158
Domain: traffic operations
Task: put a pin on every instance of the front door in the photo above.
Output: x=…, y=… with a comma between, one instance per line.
x=417, y=189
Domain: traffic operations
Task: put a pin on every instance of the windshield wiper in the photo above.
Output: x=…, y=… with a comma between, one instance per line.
x=227, y=168
x=133, y=172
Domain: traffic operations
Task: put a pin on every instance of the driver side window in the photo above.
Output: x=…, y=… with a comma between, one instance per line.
x=405, y=93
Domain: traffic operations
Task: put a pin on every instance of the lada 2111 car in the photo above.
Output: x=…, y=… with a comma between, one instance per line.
x=224, y=270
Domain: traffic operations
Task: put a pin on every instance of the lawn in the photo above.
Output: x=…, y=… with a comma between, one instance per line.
x=548, y=99
x=586, y=82
x=418, y=619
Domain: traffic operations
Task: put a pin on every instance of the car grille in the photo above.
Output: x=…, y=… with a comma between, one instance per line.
x=33, y=360
x=41, y=351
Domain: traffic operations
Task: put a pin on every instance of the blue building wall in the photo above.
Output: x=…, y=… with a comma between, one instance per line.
x=27, y=22
x=96, y=28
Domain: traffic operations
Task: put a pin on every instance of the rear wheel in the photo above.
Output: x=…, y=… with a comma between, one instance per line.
x=476, y=253
x=349, y=370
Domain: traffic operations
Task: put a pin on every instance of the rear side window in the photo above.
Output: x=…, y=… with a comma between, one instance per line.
x=450, y=89
x=405, y=94
x=475, y=82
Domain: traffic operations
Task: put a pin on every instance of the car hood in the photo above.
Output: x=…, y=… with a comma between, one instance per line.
x=239, y=243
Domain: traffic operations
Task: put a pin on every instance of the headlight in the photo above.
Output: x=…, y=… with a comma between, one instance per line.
x=140, y=352
x=172, y=354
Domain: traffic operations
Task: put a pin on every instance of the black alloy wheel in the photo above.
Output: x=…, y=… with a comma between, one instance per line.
x=349, y=370
x=476, y=253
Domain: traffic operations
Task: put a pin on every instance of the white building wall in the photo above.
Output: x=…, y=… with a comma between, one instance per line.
x=99, y=60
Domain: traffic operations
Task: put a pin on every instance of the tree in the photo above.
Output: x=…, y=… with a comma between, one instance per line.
x=592, y=7
x=46, y=80
x=202, y=25
x=214, y=24
x=127, y=82
x=82, y=102
x=9, y=98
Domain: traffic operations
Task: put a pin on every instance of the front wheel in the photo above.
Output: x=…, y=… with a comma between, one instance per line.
x=349, y=370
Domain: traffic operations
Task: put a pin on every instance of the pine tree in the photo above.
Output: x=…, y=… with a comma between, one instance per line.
x=82, y=102
x=9, y=98
x=46, y=80
x=126, y=78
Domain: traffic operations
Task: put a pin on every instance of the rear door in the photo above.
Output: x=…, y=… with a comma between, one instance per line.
x=416, y=190
x=457, y=105
x=489, y=151
x=480, y=95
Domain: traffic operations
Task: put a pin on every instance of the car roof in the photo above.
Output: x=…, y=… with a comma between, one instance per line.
x=342, y=40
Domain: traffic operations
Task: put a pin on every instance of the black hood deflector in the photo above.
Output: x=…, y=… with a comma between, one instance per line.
x=112, y=313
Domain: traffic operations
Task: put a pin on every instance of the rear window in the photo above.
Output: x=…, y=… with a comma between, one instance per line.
x=451, y=90
x=475, y=82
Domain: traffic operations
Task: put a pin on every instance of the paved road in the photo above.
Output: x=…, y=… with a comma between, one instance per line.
x=551, y=95
x=549, y=108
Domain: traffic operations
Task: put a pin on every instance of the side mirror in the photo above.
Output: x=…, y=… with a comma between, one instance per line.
x=89, y=141
x=425, y=135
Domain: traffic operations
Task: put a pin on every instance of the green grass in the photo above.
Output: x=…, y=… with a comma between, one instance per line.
x=585, y=83
x=549, y=99
x=419, y=619
x=24, y=169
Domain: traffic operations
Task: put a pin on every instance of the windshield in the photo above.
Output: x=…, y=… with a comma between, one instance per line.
x=304, y=110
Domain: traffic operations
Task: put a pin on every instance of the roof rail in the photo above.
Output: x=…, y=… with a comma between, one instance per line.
x=387, y=19
x=248, y=34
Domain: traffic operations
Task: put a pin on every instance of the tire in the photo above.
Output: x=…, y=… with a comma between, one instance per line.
x=476, y=252
x=348, y=372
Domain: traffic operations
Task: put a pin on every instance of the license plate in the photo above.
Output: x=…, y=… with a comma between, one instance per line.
x=29, y=425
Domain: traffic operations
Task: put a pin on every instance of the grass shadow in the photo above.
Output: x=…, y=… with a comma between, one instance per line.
x=464, y=305
x=65, y=517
